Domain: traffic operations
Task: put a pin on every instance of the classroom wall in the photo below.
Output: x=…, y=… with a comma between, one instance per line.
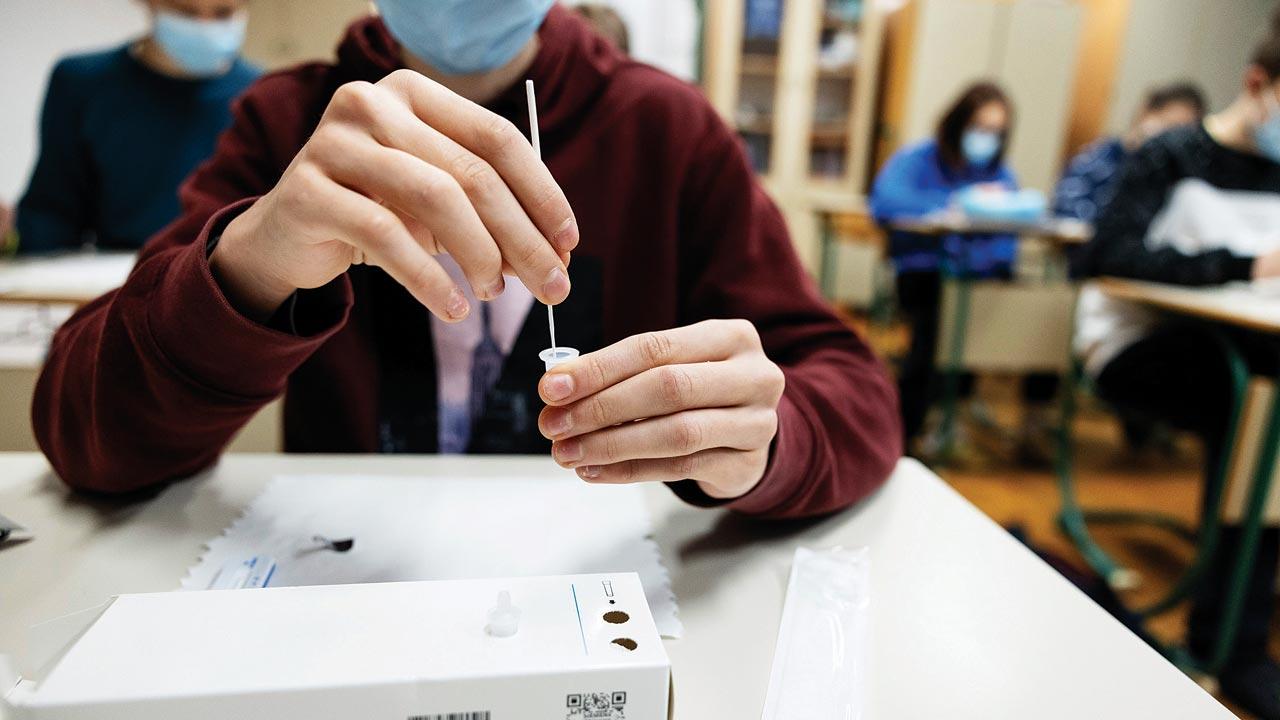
x=1208, y=41
x=663, y=32
x=1101, y=45
x=287, y=32
x=1029, y=46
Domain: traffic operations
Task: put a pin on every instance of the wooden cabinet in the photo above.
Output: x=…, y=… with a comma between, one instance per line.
x=798, y=79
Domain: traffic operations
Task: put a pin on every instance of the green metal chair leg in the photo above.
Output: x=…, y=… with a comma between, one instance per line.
x=827, y=268
x=1071, y=517
x=1211, y=525
x=1264, y=471
x=1074, y=520
x=1161, y=521
x=955, y=359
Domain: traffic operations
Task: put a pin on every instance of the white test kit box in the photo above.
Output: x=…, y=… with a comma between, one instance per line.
x=578, y=647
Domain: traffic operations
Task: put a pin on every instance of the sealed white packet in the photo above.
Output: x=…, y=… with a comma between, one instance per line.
x=820, y=663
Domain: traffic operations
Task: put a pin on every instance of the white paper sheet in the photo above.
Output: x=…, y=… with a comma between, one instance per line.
x=25, y=331
x=409, y=528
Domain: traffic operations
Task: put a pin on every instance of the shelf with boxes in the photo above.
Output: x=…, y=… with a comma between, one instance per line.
x=798, y=80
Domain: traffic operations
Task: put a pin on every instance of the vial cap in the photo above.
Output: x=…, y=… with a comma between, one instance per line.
x=504, y=618
x=552, y=357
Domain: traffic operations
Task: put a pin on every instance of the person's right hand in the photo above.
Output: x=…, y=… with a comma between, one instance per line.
x=397, y=172
x=1267, y=265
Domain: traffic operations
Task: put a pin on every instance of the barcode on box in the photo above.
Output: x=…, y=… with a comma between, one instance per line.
x=478, y=715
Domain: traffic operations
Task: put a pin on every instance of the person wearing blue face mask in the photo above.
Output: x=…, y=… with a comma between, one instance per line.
x=967, y=150
x=120, y=129
x=1198, y=206
x=374, y=238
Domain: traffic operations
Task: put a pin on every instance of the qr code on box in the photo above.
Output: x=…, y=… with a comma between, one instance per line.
x=597, y=706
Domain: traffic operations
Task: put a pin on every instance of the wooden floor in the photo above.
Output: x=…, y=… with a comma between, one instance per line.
x=1108, y=476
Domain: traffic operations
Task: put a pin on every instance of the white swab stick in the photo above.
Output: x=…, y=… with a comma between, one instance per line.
x=551, y=321
x=533, y=118
x=537, y=150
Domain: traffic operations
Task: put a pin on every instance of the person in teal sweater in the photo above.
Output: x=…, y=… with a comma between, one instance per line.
x=121, y=128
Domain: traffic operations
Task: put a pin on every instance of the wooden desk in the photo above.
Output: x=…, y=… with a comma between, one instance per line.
x=966, y=623
x=1244, y=308
x=1062, y=232
x=1066, y=231
x=73, y=278
x=1240, y=306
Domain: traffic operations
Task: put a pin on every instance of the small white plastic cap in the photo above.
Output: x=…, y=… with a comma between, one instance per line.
x=504, y=618
x=552, y=357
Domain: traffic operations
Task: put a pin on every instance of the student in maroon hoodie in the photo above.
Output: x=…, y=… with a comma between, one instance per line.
x=347, y=243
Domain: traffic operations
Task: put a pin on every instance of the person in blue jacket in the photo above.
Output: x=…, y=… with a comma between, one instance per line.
x=968, y=150
x=120, y=129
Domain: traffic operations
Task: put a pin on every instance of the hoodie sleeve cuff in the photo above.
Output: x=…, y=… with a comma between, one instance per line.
x=789, y=455
x=204, y=338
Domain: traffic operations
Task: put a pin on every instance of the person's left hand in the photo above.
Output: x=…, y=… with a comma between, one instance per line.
x=698, y=403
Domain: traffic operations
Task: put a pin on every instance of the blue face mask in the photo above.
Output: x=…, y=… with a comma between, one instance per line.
x=1267, y=135
x=463, y=37
x=200, y=47
x=980, y=147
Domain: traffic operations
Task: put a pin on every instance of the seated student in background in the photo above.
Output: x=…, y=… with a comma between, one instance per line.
x=347, y=245
x=1199, y=205
x=120, y=129
x=1088, y=183
x=921, y=179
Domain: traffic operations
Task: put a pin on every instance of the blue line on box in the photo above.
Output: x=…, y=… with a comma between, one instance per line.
x=578, y=610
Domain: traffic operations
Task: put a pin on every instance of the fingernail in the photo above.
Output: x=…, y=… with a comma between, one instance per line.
x=559, y=423
x=566, y=236
x=568, y=451
x=558, y=386
x=495, y=288
x=556, y=288
x=457, y=307
x=589, y=472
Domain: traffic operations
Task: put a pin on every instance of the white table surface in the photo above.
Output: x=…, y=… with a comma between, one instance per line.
x=966, y=622
x=75, y=277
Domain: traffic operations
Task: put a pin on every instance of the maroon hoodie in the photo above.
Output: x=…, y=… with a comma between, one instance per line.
x=148, y=383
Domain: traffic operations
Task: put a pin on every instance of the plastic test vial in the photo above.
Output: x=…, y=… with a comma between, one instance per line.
x=554, y=356
x=504, y=618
